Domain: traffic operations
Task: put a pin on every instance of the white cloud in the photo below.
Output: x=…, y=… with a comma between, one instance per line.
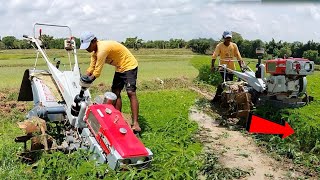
x=237, y=14
x=309, y=11
x=164, y=19
x=315, y=12
x=165, y=11
x=87, y=9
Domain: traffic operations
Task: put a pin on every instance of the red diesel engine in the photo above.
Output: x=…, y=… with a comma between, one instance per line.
x=109, y=136
x=293, y=66
x=288, y=79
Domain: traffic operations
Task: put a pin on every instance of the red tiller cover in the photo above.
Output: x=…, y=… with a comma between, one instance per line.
x=127, y=144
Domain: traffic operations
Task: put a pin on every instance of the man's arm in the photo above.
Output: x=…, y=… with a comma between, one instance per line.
x=238, y=56
x=92, y=64
x=212, y=64
x=214, y=56
x=101, y=58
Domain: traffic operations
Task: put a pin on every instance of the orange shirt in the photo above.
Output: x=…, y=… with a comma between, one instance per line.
x=227, y=53
x=113, y=53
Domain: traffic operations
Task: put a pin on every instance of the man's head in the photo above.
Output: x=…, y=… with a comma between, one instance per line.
x=227, y=36
x=88, y=41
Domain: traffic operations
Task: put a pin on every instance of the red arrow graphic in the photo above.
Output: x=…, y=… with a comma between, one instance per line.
x=263, y=126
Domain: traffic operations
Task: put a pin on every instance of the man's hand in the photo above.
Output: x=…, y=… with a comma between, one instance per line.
x=243, y=69
x=242, y=66
x=87, y=79
x=212, y=65
x=89, y=74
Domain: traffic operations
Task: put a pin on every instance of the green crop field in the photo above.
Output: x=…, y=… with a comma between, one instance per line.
x=167, y=131
x=154, y=63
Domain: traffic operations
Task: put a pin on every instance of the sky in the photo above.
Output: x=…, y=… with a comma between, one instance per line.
x=164, y=19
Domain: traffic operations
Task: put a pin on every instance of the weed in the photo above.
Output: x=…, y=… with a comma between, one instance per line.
x=214, y=170
x=243, y=155
x=224, y=135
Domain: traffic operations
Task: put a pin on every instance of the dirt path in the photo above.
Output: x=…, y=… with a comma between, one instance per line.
x=238, y=151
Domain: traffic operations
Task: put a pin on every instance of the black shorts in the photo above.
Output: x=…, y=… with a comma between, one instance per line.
x=127, y=78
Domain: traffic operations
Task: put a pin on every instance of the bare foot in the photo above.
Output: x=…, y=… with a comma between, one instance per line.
x=136, y=127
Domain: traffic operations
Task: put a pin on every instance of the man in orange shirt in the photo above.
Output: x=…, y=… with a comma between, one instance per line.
x=227, y=50
x=126, y=69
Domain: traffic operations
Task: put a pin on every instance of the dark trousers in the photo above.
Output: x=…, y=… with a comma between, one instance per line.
x=229, y=76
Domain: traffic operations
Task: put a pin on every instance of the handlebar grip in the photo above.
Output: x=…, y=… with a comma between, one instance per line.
x=25, y=36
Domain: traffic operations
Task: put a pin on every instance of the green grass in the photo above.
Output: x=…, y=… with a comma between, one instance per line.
x=167, y=131
x=304, y=145
x=153, y=64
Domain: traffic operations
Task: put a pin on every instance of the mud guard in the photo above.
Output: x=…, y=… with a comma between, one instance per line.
x=25, y=93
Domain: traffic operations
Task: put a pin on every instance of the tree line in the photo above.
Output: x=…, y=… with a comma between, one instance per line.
x=49, y=42
x=273, y=49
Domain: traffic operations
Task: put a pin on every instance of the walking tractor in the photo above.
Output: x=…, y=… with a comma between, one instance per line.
x=64, y=117
x=284, y=87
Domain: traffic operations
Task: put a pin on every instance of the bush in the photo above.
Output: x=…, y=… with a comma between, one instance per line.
x=317, y=61
x=199, y=45
x=311, y=55
x=207, y=76
x=267, y=56
x=285, y=51
x=2, y=45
